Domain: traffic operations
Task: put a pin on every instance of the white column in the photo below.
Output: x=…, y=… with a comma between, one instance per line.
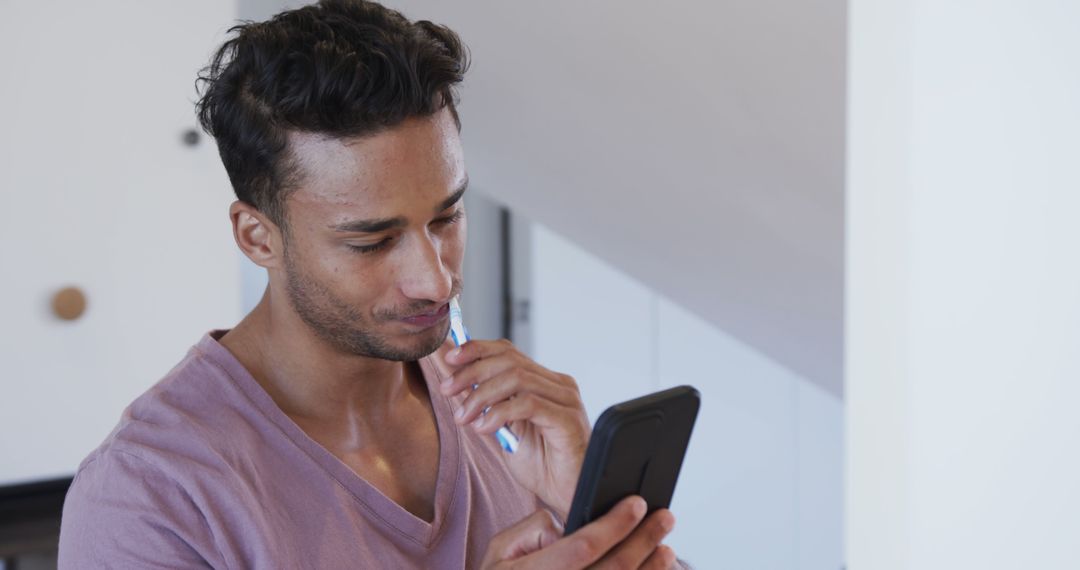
x=963, y=285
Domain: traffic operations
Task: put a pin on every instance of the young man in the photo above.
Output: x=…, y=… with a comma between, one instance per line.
x=334, y=426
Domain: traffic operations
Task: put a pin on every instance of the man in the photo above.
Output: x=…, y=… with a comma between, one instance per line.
x=334, y=427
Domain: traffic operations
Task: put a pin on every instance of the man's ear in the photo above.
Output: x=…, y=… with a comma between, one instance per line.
x=257, y=236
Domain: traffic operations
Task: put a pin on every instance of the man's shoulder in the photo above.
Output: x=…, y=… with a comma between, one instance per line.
x=196, y=409
x=126, y=507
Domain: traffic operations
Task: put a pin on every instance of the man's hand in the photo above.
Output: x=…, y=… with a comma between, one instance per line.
x=543, y=408
x=619, y=539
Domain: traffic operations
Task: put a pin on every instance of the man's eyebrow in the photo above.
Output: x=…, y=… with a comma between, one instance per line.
x=453, y=197
x=383, y=224
x=371, y=226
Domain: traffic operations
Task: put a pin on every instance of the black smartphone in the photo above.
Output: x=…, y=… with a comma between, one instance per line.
x=637, y=448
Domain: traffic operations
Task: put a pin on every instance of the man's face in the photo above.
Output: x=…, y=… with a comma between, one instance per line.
x=376, y=237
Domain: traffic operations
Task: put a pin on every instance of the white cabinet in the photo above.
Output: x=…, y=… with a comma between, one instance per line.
x=762, y=485
x=98, y=190
x=591, y=322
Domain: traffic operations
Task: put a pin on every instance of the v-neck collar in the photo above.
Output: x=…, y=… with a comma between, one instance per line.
x=378, y=505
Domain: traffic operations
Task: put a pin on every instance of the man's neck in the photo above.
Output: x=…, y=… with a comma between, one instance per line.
x=374, y=415
x=311, y=381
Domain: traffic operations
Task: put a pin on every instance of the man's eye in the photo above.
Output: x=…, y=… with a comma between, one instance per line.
x=453, y=218
x=370, y=248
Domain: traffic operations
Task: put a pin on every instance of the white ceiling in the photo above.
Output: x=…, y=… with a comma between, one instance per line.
x=698, y=146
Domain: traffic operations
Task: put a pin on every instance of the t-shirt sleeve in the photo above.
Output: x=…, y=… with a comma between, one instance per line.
x=122, y=512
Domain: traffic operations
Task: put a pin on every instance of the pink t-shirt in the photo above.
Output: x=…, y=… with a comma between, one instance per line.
x=204, y=470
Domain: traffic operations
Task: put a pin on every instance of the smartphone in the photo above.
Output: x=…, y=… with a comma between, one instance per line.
x=637, y=448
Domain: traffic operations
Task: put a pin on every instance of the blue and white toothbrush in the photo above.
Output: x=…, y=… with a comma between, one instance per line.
x=460, y=336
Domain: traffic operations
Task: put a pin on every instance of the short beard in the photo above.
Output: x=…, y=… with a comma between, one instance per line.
x=342, y=326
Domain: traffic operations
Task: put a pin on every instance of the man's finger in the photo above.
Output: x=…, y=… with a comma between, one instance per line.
x=528, y=535
x=591, y=541
x=478, y=371
x=663, y=558
x=539, y=411
x=476, y=349
x=641, y=544
x=512, y=383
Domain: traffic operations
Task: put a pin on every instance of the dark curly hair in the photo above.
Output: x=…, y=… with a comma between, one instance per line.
x=342, y=68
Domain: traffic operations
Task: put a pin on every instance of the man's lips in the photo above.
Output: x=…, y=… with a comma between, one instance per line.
x=430, y=318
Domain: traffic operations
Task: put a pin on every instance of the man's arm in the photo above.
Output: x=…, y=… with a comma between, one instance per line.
x=122, y=512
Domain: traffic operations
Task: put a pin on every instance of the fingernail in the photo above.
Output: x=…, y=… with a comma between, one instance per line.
x=638, y=507
x=448, y=380
x=478, y=422
x=453, y=353
x=460, y=413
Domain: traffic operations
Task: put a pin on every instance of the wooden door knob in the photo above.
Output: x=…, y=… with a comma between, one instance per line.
x=69, y=303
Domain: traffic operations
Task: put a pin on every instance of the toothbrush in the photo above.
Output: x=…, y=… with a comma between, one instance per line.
x=460, y=336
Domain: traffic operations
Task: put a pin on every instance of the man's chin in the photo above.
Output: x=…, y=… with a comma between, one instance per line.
x=419, y=348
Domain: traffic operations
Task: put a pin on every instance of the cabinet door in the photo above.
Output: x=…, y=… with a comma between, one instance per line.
x=100, y=191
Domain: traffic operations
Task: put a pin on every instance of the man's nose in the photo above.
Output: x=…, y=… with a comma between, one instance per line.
x=424, y=275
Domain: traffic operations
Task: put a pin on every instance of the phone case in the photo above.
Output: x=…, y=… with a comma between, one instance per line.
x=637, y=448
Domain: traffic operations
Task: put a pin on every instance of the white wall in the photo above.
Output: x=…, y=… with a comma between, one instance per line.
x=98, y=191
x=761, y=486
x=964, y=285
x=698, y=146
